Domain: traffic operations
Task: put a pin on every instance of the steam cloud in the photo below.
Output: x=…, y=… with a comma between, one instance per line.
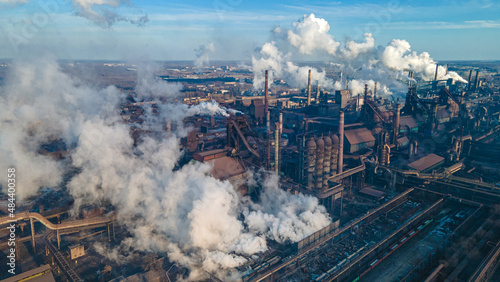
x=198, y=221
x=100, y=12
x=203, y=54
x=362, y=62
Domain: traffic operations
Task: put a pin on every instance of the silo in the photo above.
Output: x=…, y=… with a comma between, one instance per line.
x=327, y=160
x=320, y=157
x=311, y=162
x=334, y=155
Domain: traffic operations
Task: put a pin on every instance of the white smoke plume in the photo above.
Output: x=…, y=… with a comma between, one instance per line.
x=100, y=12
x=281, y=66
x=199, y=222
x=203, y=55
x=354, y=49
x=310, y=34
x=398, y=56
x=362, y=62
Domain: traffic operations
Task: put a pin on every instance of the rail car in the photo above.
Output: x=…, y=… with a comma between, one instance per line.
x=405, y=238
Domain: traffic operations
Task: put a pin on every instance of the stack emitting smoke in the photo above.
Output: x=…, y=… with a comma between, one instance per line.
x=201, y=223
x=203, y=55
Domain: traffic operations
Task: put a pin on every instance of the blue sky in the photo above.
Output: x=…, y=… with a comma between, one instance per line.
x=448, y=29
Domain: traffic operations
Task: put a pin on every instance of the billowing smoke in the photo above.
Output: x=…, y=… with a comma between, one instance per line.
x=281, y=66
x=199, y=222
x=100, y=12
x=310, y=34
x=362, y=62
x=203, y=55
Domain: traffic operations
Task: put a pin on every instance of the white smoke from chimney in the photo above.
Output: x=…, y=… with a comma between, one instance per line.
x=398, y=56
x=280, y=66
x=361, y=61
x=203, y=55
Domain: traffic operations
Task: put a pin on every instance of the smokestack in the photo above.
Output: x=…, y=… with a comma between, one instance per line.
x=447, y=69
x=341, y=142
x=266, y=102
x=268, y=145
x=266, y=89
x=366, y=93
x=375, y=92
x=477, y=80
x=470, y=80
x=169, y=127
x=317, y=94
x=281, y=123
x=268, y=121
x=396, y=123
x=358, y=105
x=309, y=89
x=212, y=120
x=277, y=149
x=436, y=75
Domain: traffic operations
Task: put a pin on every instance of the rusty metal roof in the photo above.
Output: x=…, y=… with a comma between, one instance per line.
x=408, y=121
x=372, y=192
x=426, y=162
x=227, y=167
x=359, y=135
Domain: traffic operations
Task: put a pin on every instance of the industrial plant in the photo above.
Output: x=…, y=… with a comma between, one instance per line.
x=410, y=183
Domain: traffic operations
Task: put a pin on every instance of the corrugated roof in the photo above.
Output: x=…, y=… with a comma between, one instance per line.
x=359, y=135
x=426, y=162
x=442, y=113
x=372, y=192
x=408, y=121
x=227, y=167
x=39, y=274
x=403, y=140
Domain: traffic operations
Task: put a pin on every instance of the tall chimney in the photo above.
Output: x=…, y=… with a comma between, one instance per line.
x=358, y=105
x=266, y=102
x=317, y=94
x=169, y=127
x=447, y=66
x=366, y=93
x=436, y=75
x=396, y=123
x=212, y=120
x=268, y=121
x=309, y=89
x=281, y=123
x=341, y=142
x=477, y=80
x=470, y=80
x=277, y=149
x=375, y=92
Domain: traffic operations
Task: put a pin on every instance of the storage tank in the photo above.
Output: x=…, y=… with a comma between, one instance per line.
x=327, y=160
x=311, y=162
x=320, y=157
x=334, y=155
